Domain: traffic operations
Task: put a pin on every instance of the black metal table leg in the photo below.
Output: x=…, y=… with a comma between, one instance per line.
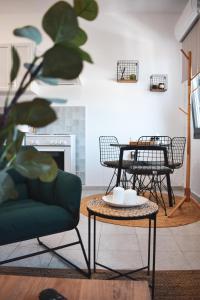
x=94, y=246
x=149, y=247
x=169, y=190
x=154, y=257
x=97, y=208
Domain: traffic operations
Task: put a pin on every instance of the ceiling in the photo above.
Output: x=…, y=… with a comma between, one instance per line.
x=109, y=6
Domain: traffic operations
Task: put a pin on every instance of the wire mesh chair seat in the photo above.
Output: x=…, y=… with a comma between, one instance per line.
x=150, y=169
x=109, y=157
x=115, y=164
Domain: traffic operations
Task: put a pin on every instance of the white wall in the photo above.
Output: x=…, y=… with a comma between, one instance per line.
x=124, y=110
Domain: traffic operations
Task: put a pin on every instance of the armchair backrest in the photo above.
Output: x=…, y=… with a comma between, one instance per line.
x=20, y=184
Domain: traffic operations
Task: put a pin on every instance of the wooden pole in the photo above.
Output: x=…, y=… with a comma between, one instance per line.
x=187, y=196
x=188, y=157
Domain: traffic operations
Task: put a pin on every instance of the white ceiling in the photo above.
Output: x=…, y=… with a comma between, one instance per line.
x=37, y=6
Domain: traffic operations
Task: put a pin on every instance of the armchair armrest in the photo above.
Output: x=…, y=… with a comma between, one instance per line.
x=68, y=190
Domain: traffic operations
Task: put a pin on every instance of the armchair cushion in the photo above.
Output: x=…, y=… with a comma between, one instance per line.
x=26, y=219
x=41, y=208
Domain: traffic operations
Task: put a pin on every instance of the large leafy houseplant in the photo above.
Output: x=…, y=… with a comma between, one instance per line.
x=63, y=60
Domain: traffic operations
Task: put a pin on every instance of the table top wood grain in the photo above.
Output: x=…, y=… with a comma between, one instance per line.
x=28, y=288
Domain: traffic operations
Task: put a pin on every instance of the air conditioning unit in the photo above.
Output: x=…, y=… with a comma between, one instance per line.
x=187, y=19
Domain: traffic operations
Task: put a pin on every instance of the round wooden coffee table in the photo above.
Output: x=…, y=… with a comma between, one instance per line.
x=98, y=208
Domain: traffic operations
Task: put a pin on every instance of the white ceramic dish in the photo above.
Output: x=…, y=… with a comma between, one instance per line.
x=138, y=202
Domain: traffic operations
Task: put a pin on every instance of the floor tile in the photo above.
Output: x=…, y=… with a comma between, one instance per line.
x=188, y=243
x=168, y=260
x=120, y=259
x=7, y=250
x=163, y=243
x=159, y=231
x=71, y=236
x=118, y=242
x=110, y=229
x=193, y=258
x=75, y=256
x=39, y=261
x=190, y=229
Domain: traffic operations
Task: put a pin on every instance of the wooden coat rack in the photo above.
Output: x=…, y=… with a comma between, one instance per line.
x=187, y=195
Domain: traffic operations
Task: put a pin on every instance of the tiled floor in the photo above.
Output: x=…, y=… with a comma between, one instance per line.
x=178, y=248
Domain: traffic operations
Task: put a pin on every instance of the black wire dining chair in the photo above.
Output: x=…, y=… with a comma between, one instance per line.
x=150, y=169
x=176, y=156
x=109, y=157
x=163, y=141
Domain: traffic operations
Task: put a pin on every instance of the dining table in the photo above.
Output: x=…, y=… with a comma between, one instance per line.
x=136, y=146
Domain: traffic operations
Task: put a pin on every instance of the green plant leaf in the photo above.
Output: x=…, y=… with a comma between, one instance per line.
x=47, y=80
x=5, y=129
x=13, y=143
x=60, y=22
x=62, y=62
x=34, y=164
x=80, y=38
x=7, y=190
x=29, y=32
x=15, y=64
x=87, y=9
x=85, y=56
x=35, y=113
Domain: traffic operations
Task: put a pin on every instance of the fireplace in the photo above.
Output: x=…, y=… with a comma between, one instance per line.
x=61, y=147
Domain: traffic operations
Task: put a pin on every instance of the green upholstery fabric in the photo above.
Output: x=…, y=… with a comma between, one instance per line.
x=26, y=219
x=41, y=208
x=20, y=184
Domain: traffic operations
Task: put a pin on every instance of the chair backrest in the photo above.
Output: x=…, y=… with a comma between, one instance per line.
x=108, y=152
x=151, y=156
x=175, y=148
x=163, y=141
x=178, y=150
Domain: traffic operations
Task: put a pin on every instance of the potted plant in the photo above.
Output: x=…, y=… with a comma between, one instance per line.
x=63, y=60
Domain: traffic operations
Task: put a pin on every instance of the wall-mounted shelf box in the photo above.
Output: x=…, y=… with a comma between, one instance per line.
x=127, y=71
x=158, y=83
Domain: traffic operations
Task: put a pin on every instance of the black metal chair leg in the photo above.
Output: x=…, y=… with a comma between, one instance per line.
x=169, y=190
x=83, y=249
x=108, y=188
x=161, y=196
x=87, y=274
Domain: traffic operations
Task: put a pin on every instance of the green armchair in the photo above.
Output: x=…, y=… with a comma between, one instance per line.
x=42, y=209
